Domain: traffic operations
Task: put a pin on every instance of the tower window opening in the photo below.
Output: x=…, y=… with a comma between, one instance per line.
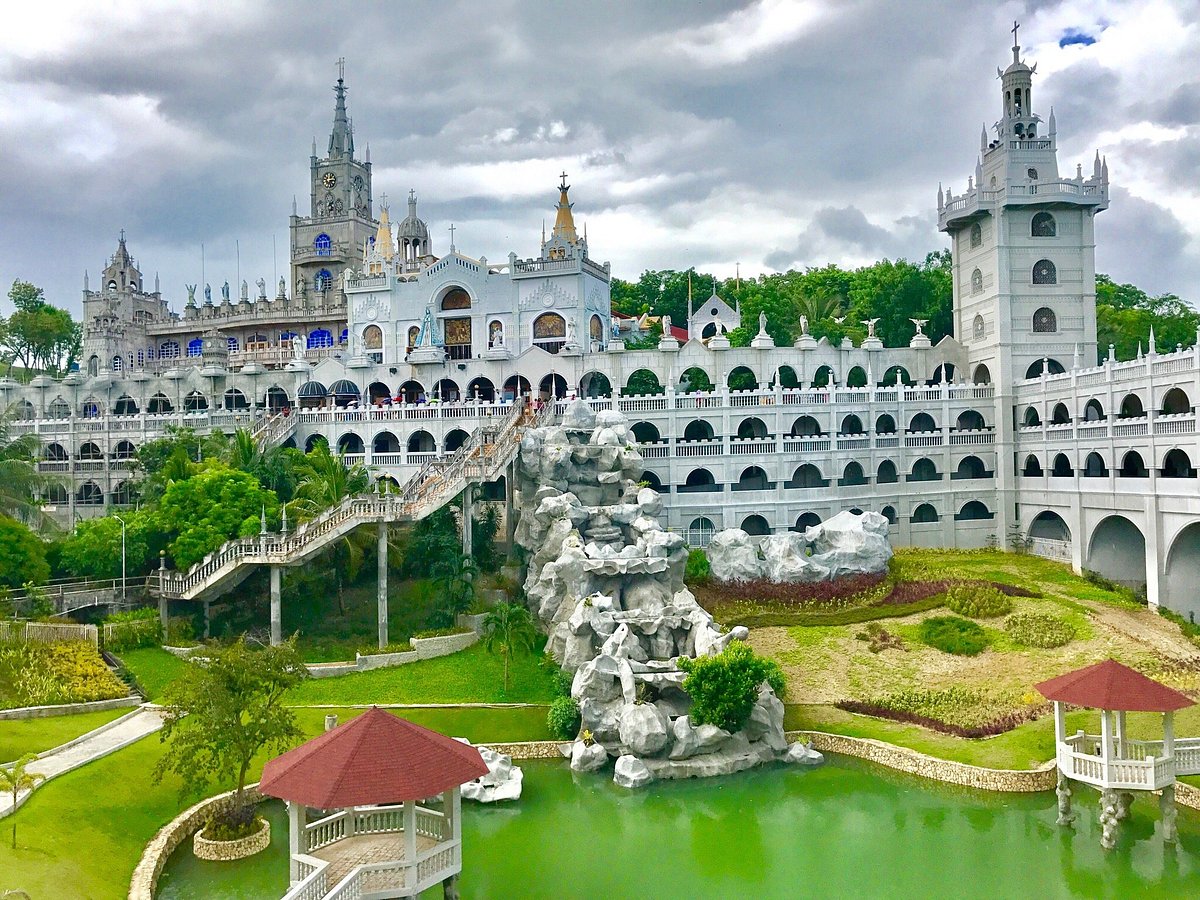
x=976, y=235
x=323, y=245
x=976, y=281
x=1044, y=272
x=1031, y=172
x=1044, y=321
x=1043, y=225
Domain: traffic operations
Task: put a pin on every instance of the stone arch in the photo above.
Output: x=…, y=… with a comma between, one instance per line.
x=421, y=442
x=1131, y=407
x=550, y=332
x=349, y=442
x=806, y=426
x=694, y=379
x=1032, y=467
x=924, y=469
x=856, y=377
x=1060, y=415
x=57, y=493
x=446, y=390
x=1043, y=225
x=698, y=430
x=896, y=375
x=552, y=385
x=983, y=375
x=851, y=424
x=313, y=441
x=1062, y=466
x=806, y=521
x=235, y=399
x=160, y=404
x=1044, y=272
x=742, y=378
x=455, y=439
x=753, y=478
x=411, y=392
x=1133, y=466
x=787, y=377
x=1094, y=467
x=752, y=427
x=806, y=476
x=853, y=474
x=1093, y=411
x=755, y=525
x=1177, y=464
x=973, y=511
x=124, y=494
x=516, y=386
x=922, y=422
x=195, y=402
x=455, y=297
x=971, y=467
x=89, y=494
x=90, y=450
x=25, y=410
x=1049, y=525
x=377, y=391
x=700, y=531
x=385, y=442
x=970, y=420
x=699, y=481
x=55, y=452
x=1047, y=365
x=886, y=473
x=1031, y=419
x=1117, y=550
x=824, y=376
x=595, y=385
x=481, y=389
x=124, y=406
x=1044, y=321
x=885, y=424
x=124, y=450
x=889, y=513
x=1178, y=588
x=642, y=382
x=1176, y=402
x=924, y=514
x=944, y=372
x=276, y=399
x=645, y=433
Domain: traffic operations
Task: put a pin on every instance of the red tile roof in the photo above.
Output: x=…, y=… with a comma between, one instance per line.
x=1110, y=685
x=375, y=758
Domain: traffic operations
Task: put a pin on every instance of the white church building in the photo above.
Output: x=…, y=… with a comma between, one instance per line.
x=392, y=353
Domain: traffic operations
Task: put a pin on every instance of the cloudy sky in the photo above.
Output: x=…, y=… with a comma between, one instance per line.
x=769, y=134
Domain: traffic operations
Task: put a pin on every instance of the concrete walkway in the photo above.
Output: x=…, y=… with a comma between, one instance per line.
x=104, y=740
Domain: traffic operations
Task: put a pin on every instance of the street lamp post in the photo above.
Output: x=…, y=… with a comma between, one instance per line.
x=124, y=599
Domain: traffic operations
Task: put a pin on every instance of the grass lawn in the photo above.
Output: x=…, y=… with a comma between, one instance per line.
x=154, y=668
x=470, y=676
x=21, y=736
x=87, y=829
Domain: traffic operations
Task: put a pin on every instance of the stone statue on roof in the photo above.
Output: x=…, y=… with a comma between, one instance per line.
x=762, y=322
x=208, y=293
x=803, y=324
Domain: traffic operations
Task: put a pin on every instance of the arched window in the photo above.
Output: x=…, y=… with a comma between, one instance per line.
x=924, y=514
x=596, y=329
x=1132, y=466
x=233, y=345
x=922, y=422
x=1060, y=415
x=117, y=363
x=549, y=332
x=1031, y=172
x=806, y=476
x=886, y=473
x=806, y=521
x=752, y=479
x=983, y=375
x=698, y=430
x=889, y=513
x=851, y=425
x=853, y=474
x=195, y=346
x=806, y=426
x=321, y=337
x=1131, y=407
x=372, y=338
x=700, y=480
x=978, y=329
x=973, y=511
x=456, y=298
x=1032, y=467
x=700, y=532
x=1177, y=464
x=1047, y=366
x=976, y=282
x=970, y=467
x=323, y=280
x=1044, y=321
x=924, y=470
x=168, y=350
x=1176, y=402
x=885, y=424
x=752, y=427
x=645, y=433
x=970, y=420
x=1043, y=225
x=1044, y=272
x=755, y=525
x=1093, y=412
x=323, y=245
x=1094, y=467
x=976, y=235
x=1062, y=467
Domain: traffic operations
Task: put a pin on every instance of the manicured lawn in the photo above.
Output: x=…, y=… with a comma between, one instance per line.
x=82, y=834
x=470, y=676
x=21, y=736
x=154, y=668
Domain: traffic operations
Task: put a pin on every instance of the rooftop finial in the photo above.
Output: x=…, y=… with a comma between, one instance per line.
x=341, y=64
x=562, y=185
x=1016, y=47
x=341, y=139
x=452, y=229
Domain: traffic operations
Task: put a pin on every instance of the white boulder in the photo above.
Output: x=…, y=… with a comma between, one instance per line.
x=631, y=772
x=587, y=757
x=502, y=782
x=733, y=556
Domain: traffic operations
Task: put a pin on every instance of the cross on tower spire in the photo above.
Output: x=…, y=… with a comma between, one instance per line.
x=451, y=238
x=1016, y=49
x=562, y=185
x=341, y=64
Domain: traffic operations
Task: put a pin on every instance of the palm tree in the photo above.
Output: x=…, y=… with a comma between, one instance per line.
x=508, y=629
x=19, y=478
x=271, y=465
x=323, y=480
x=15, y=779
x=819, y=305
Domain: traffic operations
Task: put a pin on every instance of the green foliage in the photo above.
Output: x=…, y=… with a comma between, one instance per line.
x=181, y=631
x=228, y=708
x=93, y=549
x=35, y=674
x=441, y=632
x=1039, y=630
x=563, y=719
x=22, y=555
x=951, y=634
x=1121, y=590
x=508, y=629
x=966, y=707
x=724, y=688
x=15, y=780
x=38, y=605
x=133, y=628
x=697, y=569
x=1125, y=314
x=562, y=681
x=432, y=547
x=977, y=600
x=41, y=336
x=20, y=481
x=202, y=512
x=484, y=529
x=274, y=467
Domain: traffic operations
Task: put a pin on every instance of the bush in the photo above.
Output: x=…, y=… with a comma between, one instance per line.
x=965, y=712
x=951, y=634
x=563, y=718
x=562, y=682
x=44, y=674
x=697, y=570
x=442, y=632
x=724, y=688
x=134, y=628
x=181, y=631
x=22, y=555
x=1039, y=630
x=978, y=600
x=232, y=824
x=375, y=649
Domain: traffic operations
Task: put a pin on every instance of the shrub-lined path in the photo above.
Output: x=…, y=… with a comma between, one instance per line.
x=92, y=746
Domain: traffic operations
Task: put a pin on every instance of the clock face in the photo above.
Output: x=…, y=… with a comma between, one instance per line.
x=329, y=180
x=358, y=182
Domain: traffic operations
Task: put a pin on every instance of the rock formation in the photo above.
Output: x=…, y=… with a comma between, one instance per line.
x=605, y=580
x=502, y=782
x=845, y=544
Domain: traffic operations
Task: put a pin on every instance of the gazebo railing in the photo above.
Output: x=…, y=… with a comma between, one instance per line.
x=314, y=881
x=326, y=831
x=1141, y=765
x=398, y=877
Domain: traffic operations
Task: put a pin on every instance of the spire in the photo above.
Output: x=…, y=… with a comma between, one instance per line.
x=941, y=196
x=157, y=288
x=1096, y=165
x=1016, y=49
x=294, y=205
x=341, y=139
x=982, y=138
x=383, y=235
x=1153, y=347
x=85, y=279
x=314, y=149
x=564, y=221
x=368, y=159
x=1104, y=169
x=1051, y=124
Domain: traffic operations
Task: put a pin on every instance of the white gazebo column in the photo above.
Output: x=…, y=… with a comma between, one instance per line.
x=452, y=808
x=1120, y=734
x=1061, y=753
x=1106, y=746
x=410, y=841
x=381, y=587
x=1108, y=797
x=297, y=822
x=276, y=606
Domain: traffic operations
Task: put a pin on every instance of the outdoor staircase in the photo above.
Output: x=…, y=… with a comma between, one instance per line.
x=272, y=430
x=482, y=457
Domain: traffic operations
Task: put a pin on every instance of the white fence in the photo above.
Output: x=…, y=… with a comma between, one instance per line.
x=48, y=632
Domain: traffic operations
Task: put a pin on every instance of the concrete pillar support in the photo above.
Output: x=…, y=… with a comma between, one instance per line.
x=1166, y=805
x=1063, y=791
x=207, y=620
x=381, y=586
x=467, y=513
x=276, y=606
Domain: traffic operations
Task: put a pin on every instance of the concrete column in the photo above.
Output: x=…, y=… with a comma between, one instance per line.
x=207, y=620
x=467, y=511
x=1063, y=792
x=450, y=887
x=1166, y=805
x=276, y=606
x=381, y=585
x=163, y=612
x=1120, y=714
x=1106, y=742
x=1108, y=818
x=1154, y=594
x=510, y=517
x=297, y=815
x=410, y=835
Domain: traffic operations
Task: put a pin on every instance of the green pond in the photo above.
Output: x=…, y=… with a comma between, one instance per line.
x=846, y=828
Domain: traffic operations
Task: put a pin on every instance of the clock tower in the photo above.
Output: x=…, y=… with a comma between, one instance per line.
x=325, y=242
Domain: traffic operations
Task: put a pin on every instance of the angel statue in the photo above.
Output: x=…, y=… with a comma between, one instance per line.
x=282, y=287
x=191, y=289
x=762, y=322
x=803, y=324
x=870, y=323
x=920, y=323
x=666, y=326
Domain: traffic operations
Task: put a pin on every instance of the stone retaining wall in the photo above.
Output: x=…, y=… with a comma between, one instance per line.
x=529, y=749
x=68, y=709
x=1186, y=795
x=422, y=648
x=170, y=836
x=905, y=760
x=227, y=851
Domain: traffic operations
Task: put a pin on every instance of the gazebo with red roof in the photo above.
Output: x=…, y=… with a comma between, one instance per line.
x=370, y=776
x=1110, y=760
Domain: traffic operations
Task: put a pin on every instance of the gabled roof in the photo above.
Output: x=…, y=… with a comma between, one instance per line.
x=375, y=758
x=1110, y=685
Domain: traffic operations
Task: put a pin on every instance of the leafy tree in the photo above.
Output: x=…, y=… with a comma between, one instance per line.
x=93, y=549
x=14, y=779
x=19, y=478
x=22, y=555
x=38, y=334
x=483, y=539
x=202, y=512
x=1125, y=314
x=433, y=548
x=273, y=466
x=226, y=710
x=724, y=688
x=174, y=457
x=508, y=629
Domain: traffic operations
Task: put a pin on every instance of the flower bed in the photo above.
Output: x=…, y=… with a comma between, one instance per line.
x=33, y=674
x=239, y=848
x=963, y=712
